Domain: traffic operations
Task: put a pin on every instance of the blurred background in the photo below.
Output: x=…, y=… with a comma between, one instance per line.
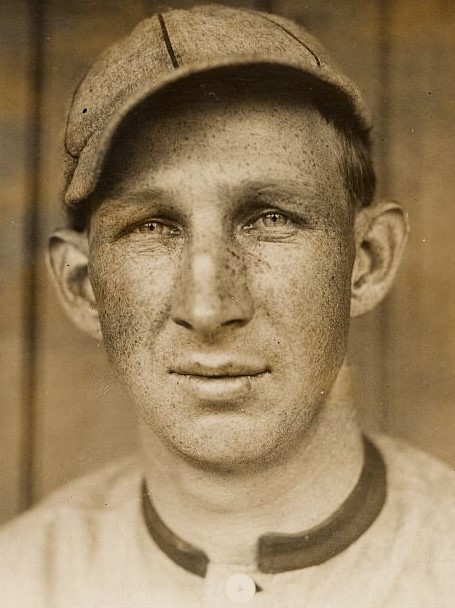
x=61, y=411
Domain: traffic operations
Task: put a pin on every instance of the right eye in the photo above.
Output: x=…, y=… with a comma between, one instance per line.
x=156, y=228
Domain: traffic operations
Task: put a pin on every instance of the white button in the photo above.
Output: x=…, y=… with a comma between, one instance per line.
x=240, y=588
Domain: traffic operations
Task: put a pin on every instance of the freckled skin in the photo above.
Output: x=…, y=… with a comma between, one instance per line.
x=213, y=276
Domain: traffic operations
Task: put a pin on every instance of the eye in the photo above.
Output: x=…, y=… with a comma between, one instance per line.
x=272, y=220
x=156, y=228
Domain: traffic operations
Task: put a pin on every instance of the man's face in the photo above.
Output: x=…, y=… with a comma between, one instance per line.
x=221, y=257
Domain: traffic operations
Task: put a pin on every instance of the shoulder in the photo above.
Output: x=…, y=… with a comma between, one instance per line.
x=103, y=490
x=407, y=556
x=62, y=531
x=418, y=520
x=415, y=474
x=105, y=487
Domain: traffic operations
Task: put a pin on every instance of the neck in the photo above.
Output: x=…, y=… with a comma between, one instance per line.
x=224, y=514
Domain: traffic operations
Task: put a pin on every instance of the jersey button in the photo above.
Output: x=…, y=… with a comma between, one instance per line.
x=240, y=588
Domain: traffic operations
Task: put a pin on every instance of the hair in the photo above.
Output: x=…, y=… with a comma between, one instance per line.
x=284, y=86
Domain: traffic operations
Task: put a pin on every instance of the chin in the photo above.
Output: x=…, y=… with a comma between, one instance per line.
x=229, y=460
x=230, y=445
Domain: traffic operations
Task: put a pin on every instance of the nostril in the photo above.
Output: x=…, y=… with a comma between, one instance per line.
x=183, y=323
x=237, y=322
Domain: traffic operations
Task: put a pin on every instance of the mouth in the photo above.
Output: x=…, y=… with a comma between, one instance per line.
x=221, y=375
x=219, y=378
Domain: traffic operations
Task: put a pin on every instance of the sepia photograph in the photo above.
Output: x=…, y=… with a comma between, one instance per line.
x=227, y=340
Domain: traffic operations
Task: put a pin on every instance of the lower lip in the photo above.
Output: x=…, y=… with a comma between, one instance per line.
x=220, y=389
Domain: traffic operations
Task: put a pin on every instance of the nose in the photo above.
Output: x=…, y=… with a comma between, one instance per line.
x=212, y=291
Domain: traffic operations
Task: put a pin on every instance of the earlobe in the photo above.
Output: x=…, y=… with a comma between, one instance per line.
x=67, y=260
x=380, y=234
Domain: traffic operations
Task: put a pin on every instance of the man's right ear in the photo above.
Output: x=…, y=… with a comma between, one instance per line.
x=67, y=260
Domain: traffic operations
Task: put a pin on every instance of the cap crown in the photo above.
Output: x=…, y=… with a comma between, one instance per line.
x=170, y=46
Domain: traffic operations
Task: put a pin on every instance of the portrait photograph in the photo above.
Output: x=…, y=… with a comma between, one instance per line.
x=227, y=330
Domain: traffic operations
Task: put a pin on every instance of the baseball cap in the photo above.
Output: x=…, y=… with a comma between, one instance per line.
x=172, y=46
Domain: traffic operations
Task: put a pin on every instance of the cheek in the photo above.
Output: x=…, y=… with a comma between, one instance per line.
x=133, y=298
x=307, y=292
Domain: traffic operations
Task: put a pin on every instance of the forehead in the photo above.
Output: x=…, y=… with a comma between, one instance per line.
x=229, y=133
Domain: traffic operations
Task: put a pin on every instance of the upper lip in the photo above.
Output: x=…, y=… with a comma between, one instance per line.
x=218, y=366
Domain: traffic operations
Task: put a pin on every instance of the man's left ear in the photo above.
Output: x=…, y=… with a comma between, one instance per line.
x=67, y=260
x=381, y=232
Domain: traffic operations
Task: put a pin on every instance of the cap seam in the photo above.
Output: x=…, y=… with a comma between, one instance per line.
x=289, y=33
x=167, y=41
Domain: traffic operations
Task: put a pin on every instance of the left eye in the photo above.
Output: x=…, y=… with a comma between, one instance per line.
x=273, y=220
x=270, y=220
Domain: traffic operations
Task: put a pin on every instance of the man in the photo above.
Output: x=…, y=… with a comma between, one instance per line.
x=222, y=232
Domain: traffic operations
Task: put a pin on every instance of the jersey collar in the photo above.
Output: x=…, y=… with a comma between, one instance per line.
x=284, y=552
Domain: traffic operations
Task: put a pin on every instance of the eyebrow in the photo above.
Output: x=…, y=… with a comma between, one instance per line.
x=252, y=190
x=136, y=197
x=247, y=192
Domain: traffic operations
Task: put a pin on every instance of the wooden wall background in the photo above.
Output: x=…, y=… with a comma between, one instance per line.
x=61, y=412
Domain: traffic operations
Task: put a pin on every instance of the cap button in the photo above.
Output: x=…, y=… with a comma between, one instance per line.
x=240, y=588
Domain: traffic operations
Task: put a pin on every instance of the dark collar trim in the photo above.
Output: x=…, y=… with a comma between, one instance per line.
x=182, y=553
x=284, y=552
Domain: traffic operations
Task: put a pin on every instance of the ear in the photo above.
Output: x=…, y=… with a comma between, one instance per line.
x=380, y=235
x=67, y=260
